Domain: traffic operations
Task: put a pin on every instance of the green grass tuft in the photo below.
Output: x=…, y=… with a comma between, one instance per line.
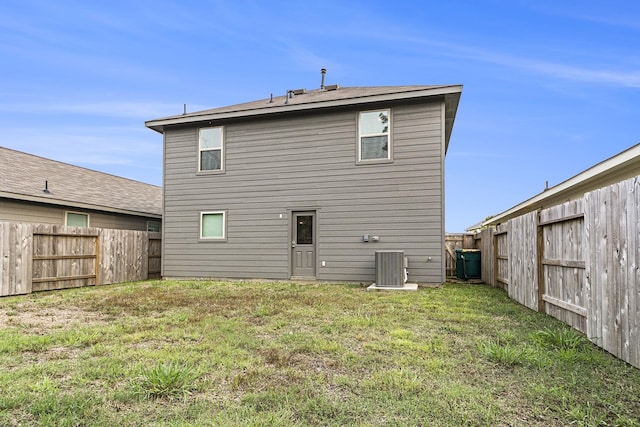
x=504, y=353
x=560, y=338
x=166, y=380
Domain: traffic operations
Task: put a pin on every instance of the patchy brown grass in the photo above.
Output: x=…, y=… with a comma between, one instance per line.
x=269, y=353
x=33, y=318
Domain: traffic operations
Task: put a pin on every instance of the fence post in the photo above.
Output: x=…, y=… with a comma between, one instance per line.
x=495, y=259
x=539, y=257
x=97, y=266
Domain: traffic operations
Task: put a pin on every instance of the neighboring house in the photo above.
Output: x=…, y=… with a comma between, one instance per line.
x=38, y=190
x=613, y=170
x=308, y=185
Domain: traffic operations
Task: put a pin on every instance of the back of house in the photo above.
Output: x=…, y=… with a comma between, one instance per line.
x=309, y=185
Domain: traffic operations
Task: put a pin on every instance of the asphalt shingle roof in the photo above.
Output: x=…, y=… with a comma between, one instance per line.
x=318, y=98
x=23, y=177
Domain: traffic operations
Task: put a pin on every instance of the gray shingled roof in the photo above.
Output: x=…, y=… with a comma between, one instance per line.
x=23, y=176
x=314, y=99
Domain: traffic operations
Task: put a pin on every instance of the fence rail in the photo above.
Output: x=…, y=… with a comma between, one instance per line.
x=578, y=262
x=39, y=257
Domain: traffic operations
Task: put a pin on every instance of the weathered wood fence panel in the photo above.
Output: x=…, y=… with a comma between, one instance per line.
x=501, y=256
x=578, y=262
x=562, y=263
x=155, y=255
x=16, y=246
x=612, y=224
x=124, y=256
x=38, y=257
x=485, y=242
x=523, y=268
x=63, y=257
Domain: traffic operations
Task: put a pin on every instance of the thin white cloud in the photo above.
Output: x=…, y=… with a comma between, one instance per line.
x=627, y=77
x=135, y=110
x=120, y=150
x=624, y=71
x=563, y=71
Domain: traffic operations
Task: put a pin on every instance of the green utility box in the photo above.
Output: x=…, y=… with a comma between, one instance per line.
x=468, y=264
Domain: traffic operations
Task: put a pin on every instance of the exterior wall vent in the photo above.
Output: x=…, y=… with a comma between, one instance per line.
x=390, y=269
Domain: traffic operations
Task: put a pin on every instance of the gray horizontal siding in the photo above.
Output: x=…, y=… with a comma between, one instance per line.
x=308, y=162
x=40, y=213
x=30, y=212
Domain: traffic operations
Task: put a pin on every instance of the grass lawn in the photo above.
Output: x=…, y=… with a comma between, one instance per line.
x=286, y=354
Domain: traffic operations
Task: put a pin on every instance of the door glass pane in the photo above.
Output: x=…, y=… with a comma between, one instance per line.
x=304, y=230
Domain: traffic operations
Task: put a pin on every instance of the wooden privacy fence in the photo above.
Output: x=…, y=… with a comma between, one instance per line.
x=39, y=257
x=453, y=241
x=578, y=262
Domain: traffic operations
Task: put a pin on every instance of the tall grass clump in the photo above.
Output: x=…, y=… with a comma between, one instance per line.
x=166, y=380
x=561, y=338
x=503, y=353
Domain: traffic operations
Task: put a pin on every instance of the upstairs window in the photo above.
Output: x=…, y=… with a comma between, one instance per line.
x=75, y=219
x=374, y=142
x=210, y=149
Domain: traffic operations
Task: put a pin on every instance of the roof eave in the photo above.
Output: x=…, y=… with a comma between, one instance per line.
x=596, y=173
x=59, y=202
x=451, y=102
x=159, y=124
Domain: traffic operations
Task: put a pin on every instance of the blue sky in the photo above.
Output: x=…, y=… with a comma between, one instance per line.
x=550, y=87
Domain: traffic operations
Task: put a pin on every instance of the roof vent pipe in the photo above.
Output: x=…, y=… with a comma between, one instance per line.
x=323, y=71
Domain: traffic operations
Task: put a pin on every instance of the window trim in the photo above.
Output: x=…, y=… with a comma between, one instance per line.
x=201, y=171
x=389, y=158
x=223, y=238
x=66, y=218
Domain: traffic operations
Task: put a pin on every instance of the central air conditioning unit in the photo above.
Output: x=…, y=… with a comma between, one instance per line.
x=390, y=269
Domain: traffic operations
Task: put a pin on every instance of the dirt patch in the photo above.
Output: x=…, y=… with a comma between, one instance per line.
x=38, y=320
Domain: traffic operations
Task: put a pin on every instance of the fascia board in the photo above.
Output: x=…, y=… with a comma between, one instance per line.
x=159, y=124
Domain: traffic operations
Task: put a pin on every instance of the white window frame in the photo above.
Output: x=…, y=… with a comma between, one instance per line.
x=224, y=226
x=66, y=218
x=200, y=150
x=361, y=135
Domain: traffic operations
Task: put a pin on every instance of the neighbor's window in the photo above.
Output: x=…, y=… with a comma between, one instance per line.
x=212, y=225
x=74, y=219
x=210, y=149
x=374, y=139
x=154, y=225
